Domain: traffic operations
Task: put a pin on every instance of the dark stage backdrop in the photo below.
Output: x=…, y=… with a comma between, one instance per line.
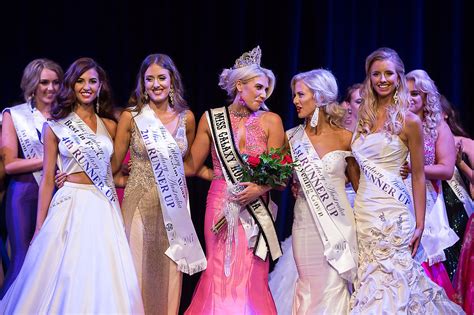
x=203, y=37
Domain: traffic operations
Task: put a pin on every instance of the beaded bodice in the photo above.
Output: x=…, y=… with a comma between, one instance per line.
x=141, y=173
x=255, y=138
x=429, y=144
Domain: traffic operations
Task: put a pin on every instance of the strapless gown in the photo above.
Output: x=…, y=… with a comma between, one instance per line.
x=388, y=280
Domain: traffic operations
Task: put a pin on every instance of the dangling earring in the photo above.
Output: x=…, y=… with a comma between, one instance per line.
x=146, y=98
x=314, y=119
x=395, y=96
x=241, y=101
x=171, y=95
x=30, y=101
x=97, y=104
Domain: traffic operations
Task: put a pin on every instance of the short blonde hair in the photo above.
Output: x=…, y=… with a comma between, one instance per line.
x=32, y=75
x=323, y=85
x=229, y=77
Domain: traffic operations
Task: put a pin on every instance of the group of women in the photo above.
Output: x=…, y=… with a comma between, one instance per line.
x=76, y=250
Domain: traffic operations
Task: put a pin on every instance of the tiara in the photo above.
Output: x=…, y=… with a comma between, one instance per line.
x=249, y=58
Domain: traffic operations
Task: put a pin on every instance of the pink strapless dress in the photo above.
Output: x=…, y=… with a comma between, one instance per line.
x=246, y=290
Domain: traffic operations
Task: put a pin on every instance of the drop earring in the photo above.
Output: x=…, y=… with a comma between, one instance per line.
x=314, y=119
x=395, y=96
x=171, y=95
x=146, y=98
x=241, y=101
x=97, y=104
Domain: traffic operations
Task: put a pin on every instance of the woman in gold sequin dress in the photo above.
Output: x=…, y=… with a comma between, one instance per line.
x=160, y=89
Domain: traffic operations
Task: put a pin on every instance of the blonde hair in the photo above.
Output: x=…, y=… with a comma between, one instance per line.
x=431, y=106
x=229, y=77
x=397, y=111
x=323, y=85
x=32, y=75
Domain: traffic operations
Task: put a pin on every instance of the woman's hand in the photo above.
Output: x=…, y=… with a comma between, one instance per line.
x=251, y=192
x=405, y=170
x=415, y=241
x=60, y=178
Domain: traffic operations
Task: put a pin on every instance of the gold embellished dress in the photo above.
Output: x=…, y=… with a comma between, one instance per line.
x=158, y=276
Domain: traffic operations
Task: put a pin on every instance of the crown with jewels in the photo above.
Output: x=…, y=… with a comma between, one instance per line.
x=249, y=58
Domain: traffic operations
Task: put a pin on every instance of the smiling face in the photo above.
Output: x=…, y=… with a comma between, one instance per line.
x=254, y=92
x=47, y=88
x=157, y=82
x=87, y=87
x=417, y=98
x=383, y=78
x=303, y=100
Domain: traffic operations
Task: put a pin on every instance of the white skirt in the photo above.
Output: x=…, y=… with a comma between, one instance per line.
x=80, y=261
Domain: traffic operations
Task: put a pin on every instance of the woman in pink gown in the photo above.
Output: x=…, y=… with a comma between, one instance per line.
x=243, y=288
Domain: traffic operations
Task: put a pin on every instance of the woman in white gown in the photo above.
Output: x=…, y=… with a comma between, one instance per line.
x=389, y=281
x=324, y=240
x=79, y=261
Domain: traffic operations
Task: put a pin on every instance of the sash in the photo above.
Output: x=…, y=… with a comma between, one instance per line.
x=336, y=228
x=168, y=169
x=437, y=235
x=457, y=185
x=391, y=185
x=82, y=143
x=231, y=163
x=28, y=122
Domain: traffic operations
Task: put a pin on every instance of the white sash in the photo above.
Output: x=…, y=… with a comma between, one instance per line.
x=82, y=143
x=336, y=228
x=389, y=184
x=168, y=169
x=437, y=234
x=457, y=185
x=231, y=163
x=28, y=122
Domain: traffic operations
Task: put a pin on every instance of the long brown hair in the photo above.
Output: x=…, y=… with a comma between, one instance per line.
x=138, y=99
x=451, y=117
x=67, y=100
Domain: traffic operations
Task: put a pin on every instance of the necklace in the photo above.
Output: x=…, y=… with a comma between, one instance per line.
x=240, y=114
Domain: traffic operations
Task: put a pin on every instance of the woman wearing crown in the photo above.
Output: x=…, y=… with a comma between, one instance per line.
x=236, y=278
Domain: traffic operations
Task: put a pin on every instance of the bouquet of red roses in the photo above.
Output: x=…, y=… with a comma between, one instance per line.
x=273, y=169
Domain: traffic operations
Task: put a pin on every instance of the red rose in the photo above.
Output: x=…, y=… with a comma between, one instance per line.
x=286, y=160
x=253, y=161
x=275, y=156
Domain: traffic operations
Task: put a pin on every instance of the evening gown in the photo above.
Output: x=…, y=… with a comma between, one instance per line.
x=283, y=278
x=437, y=271
x=20, y=212
x=389, y=280
x=458, y=219
x=464, y=277
x=80, y=261
x=319, y=288
x=158, y=275
x=246, y=290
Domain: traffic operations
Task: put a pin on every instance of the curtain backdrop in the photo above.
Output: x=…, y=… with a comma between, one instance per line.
x=203, y=37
